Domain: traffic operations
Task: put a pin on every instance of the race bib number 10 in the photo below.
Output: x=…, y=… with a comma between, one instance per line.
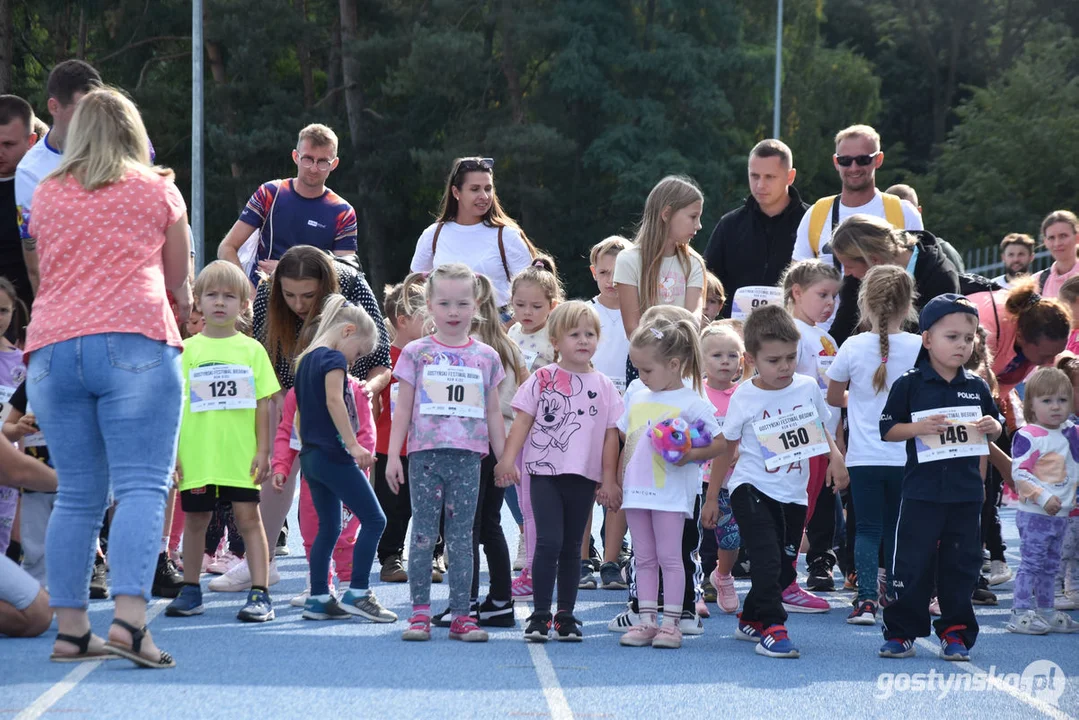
x=452, y=392
x=748, y=299
x=222, y=387
x=959, y=439
x=790, y=438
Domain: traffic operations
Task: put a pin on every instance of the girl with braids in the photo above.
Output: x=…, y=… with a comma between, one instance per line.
x=659, y=496
x=859, y=380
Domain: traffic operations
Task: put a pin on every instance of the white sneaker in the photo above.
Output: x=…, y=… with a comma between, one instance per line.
x=300, y=600
x=999, y=573
x=623, y=621
x=1068, y=601
x=223, y=563
x=690, y=623
x=238, y=578
x=522, y=554
x=1061, y=622
x=1027, y=622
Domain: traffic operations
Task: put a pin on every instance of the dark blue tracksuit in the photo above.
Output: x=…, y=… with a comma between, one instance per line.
x=939, y=515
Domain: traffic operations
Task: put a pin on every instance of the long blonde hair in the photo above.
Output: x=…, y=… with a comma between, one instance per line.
x=336, y=313
x=488, y=327
x=863, y=237
x=106, y=140
x=887, y=294
x=674, y=192
x=673, y=334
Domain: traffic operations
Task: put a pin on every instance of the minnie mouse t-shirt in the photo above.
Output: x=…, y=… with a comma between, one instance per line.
x=572, y=412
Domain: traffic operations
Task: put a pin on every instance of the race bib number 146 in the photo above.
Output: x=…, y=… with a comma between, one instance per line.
x=959, y=439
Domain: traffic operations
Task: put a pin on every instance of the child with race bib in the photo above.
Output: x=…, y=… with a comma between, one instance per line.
x=12, y=373
x=403, y=308
x=809, y=293
x=448, y=408
x=534, y=293
x=224, y=447
x=566, y=426
x=946, y=416
x=776, y=422
x=1045, y=469
x=864, y=371
x=1069, y=554
x=723, y=352
x=333, y=462
x=660, y=496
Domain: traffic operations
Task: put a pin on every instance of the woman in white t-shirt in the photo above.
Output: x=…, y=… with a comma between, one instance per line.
x=860, y=378
x=473, y=229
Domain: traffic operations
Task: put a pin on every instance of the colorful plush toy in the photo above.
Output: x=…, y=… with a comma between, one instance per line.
x=673, y=438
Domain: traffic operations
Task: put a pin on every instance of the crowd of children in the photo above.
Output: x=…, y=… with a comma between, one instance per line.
x=702, y=437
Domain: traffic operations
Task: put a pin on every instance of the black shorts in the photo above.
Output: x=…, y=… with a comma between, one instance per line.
x=204, y=499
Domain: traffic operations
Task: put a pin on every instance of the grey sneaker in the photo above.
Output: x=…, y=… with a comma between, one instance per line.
x=366, y=606
x=258, y=607
x=611, y=577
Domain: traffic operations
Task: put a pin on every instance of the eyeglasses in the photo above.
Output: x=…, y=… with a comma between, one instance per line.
x=861, y=160
x=322, y=164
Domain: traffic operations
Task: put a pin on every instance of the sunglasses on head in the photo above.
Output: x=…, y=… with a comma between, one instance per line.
x=861, y=160
x=475, y=164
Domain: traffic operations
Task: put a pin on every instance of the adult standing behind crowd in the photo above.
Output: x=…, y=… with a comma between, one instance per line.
x=298, y=211
x=857, y=158
x=1025, y=330
x=1059, y=236
x=286, y=312
x=473, y=229
x=1017, y=254
x=17, y=136
x=752, y=245
x=906, y=192
x=104, y=373
x=68, y=82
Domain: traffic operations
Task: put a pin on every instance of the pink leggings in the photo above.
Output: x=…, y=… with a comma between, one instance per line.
x=342, y=551
x=657, y=544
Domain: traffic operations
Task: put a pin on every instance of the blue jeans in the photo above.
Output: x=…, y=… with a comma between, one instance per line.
x=332, y=483
x=514, y=505
x=876, y=492
x=110, y=408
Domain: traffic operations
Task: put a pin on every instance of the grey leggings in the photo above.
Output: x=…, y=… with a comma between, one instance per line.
x=435, y=476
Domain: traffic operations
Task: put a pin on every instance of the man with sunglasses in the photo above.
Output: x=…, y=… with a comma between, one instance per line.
x=297, y=211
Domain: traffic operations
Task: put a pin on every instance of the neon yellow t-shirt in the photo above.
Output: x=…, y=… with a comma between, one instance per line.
x=223, y=381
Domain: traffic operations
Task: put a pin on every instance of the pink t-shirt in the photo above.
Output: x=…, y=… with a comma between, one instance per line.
x=721, y=400
x=100, y=258
x=1056, y=279
x=572, y=413
x=1073, y=342
x=452, y=383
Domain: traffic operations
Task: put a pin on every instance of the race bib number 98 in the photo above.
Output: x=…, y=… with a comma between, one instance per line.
x=748, y=299
x=452, y=392
x=790, y=438
x=222, y=387
x=959, y=439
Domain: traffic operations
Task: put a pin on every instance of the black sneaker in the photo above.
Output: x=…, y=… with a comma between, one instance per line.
x=99, y=587
x=588, y=580
x=491, y=615
x=982, y=594
x=282, y=543
x=538, y=628
x=567, y=627
x=167, y=578
x=610, y=575
x=445, y=618
x=820, y=576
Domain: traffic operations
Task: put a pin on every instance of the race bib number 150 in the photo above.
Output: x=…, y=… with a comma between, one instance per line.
x=790, y=438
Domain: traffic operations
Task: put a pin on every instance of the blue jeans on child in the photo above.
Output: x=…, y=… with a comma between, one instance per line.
x=109, y=406
x=876, y=492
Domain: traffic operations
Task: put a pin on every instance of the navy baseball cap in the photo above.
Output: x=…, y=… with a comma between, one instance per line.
x=942, y=305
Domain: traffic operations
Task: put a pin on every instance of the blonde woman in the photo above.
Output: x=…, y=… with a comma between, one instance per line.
x=104, y=373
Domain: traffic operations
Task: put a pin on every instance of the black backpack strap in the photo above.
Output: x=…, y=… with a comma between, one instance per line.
x=1042, y=277
x=502, y=254
x=434, y=240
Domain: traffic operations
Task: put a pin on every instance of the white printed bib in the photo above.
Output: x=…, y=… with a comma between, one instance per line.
x=5, y=406
x=530, y=359
x=790, y=438
x=222, y=387
x=959, y=439
x=452, y=392
x=751, y=297
x=34, y=439
x=294, y=439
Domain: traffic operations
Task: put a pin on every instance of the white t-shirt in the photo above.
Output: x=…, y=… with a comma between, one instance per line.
x=38, y=162
x=803, y=251
x=613, y=348
x=477, y=247
x=816, y=352
x=750, y=404
x=856, y=363
x=672, y=282
x=536, y=347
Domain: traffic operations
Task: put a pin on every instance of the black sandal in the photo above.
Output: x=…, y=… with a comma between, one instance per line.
x=84, y=653
x=163, y=661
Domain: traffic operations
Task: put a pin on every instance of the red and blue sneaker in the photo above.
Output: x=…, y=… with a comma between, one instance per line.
x=952, y=646
x=775, y=643
x=748, y=630
x=897, y=648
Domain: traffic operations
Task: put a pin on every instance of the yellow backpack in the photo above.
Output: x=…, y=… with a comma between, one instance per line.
x=893, y=213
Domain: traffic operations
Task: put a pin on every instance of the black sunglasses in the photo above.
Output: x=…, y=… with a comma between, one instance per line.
x=474, y=165
x=861, y=160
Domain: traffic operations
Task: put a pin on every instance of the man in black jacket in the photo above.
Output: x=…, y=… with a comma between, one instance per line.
x=752, y=245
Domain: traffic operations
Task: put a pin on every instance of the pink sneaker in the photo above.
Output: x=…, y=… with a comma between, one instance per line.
x=207, y=561
x=465, y=629
x=797, y=600
x=934, y=607
x=726, y=596
x=640, y=635
x=702, y=609
x=223, y=563
x=522, y=587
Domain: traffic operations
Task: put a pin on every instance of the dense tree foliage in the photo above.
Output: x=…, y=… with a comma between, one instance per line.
x=585, y=104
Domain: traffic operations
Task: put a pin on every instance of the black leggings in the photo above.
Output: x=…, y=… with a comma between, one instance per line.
x=223, y=518
x=397, y=509
x=487, y=531
x=561, y=505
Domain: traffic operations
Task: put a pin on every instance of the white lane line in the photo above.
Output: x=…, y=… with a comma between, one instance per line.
x=997, y=681
x=54, y=694
x=548, y=678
